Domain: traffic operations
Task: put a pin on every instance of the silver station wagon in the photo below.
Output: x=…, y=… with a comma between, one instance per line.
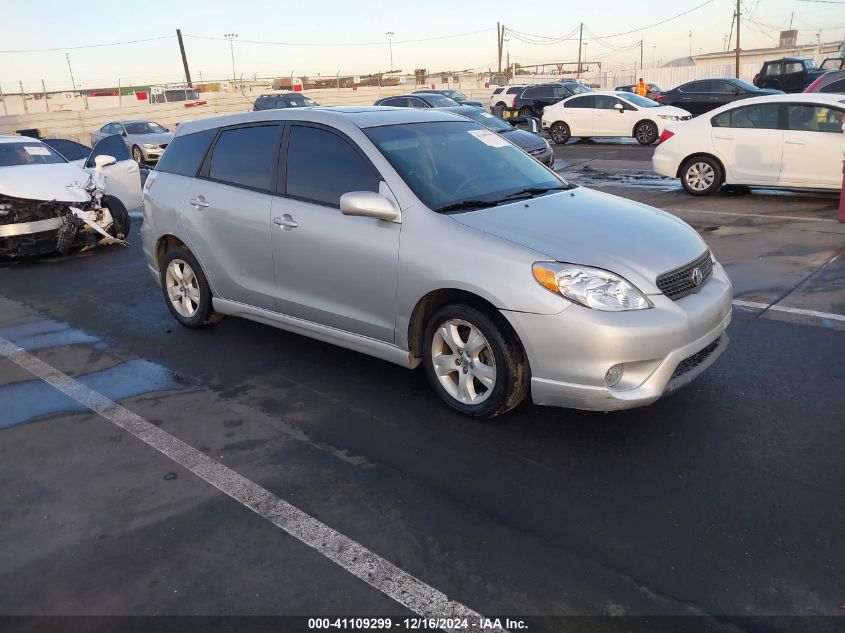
x=421, y=237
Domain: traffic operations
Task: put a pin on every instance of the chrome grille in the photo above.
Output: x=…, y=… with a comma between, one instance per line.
x=680, y=282
x=538, y=151
x=691, y=362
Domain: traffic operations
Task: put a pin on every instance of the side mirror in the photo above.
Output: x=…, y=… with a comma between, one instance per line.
x=619, y=107
x=123, y=134
x=104, y=160
x=368, y=204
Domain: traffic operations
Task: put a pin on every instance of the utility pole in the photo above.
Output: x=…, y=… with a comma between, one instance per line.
x=72, y=82
x=44, y=92
x=690, y=43
x=641, y=51
x=23, y=98
x=500, y=34
x=738, y=16
x=184, y=58
x=791, y=16
x=390, y=35
x=3, y=99
x=580, y=38
x=231, y=37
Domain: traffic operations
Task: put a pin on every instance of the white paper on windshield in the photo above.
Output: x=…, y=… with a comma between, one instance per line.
x=489, y=138
x=36, y=151
x=487, y=115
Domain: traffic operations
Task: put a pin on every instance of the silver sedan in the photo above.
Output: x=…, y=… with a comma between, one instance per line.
x=421, y=237
x=146, y=140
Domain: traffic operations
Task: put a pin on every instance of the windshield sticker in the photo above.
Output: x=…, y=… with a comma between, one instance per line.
x=489, y=138
x=487, y=115
x=34, y=150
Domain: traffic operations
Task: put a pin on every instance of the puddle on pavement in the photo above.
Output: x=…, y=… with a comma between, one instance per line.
x=590, y=177
x=24, y=401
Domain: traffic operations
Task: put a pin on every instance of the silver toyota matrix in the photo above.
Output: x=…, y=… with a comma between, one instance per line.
x=421, y=237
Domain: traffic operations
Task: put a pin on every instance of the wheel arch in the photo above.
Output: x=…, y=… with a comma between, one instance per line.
x=167, y=243
x=436, y=299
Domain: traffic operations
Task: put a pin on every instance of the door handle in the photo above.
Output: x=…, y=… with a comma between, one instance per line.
x=796, y=142
x=198, y=202
x=726, y=137
x=286, y=222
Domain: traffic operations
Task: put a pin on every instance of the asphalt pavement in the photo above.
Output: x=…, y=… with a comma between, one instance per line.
x=721, y=501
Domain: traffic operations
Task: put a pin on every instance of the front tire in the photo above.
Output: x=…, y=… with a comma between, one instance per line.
x=137, y=155
x=645, y=132
x=186, y=290
x=473, y=362
x=559, y=132
x=122, y=222
x=701, y=175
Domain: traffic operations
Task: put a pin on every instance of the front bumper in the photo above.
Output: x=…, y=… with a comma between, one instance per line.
x=151, y=155
x=570, y=352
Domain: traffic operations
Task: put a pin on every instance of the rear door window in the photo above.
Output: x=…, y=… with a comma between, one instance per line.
x=246, y=157
x=185, y=153
x=773, y=70
x=722, y=87
x=794, y=67
x=321, y=166
x=587, y=101
x=763, y=116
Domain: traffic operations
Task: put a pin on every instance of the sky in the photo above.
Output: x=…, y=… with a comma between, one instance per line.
x=334, y=36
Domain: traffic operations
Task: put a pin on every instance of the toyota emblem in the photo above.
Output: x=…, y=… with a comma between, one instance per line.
x=697, y=277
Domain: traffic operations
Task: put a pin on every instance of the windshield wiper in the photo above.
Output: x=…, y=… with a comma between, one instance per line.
x=530, y=192
x=467, y=204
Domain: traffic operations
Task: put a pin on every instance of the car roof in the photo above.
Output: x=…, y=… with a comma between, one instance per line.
x=15, y=138
x=786, y=59
x=334, y=116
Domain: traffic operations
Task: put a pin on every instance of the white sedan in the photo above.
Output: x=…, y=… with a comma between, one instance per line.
x=609, y=114
x=786, y=140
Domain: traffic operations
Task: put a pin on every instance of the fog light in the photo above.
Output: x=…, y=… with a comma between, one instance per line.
x=614, y=375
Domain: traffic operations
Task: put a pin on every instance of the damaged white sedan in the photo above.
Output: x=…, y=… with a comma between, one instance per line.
x=49, y=204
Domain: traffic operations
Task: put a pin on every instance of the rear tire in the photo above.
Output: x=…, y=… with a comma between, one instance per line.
x=645, y=132
x=186, y=290
x=474, y=362
x=701, y=175
x=559, y=132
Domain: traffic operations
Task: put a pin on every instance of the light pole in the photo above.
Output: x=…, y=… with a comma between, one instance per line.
x=690, y=43
x=653, y=54
x=586, y=65
x=390, y=35
x=231, y=37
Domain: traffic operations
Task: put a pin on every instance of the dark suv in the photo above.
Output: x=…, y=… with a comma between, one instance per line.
x=790, y=74
x=283, y=100
x=532, y=100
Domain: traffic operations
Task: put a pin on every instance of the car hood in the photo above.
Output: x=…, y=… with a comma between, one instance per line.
x=670, y=110
x=152, y=139
x=596, y=229
x=523, y=139
x=63, y=182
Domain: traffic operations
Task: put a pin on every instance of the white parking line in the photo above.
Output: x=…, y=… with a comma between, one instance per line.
x=407, y=590
x=776, y=308
x=753, y=215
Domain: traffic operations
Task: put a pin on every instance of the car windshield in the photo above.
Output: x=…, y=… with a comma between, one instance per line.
x=438, y=101
x=637, y=100
x=144, y=127
x=576, y=88
x=28, y=153
x=299, y=101
x=485, y=118
x=455, y=94
x=453, y=165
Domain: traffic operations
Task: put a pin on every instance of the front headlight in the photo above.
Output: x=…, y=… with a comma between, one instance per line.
x=671, y=117
x=150, y=146
x=590, y=287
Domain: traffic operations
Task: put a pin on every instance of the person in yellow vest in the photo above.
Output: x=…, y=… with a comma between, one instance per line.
x=642, y=88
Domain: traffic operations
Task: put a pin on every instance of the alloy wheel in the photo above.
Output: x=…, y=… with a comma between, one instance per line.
x=463, y=361
x=136, y=154
x=182, y=288
x=645, y=134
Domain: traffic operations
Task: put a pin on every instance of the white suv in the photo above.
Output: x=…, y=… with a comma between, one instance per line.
x=504, y=96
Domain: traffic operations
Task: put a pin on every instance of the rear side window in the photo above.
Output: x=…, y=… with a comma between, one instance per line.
x=773, y=70
x=794, y=67
x=322, y=166
x=834, y=87
x=513, y=90
x=531, y=93
x=185, y=153
x=810, y=118
x=246, y=157
x=582, y=102
x=497, y=91
x=763, y=116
